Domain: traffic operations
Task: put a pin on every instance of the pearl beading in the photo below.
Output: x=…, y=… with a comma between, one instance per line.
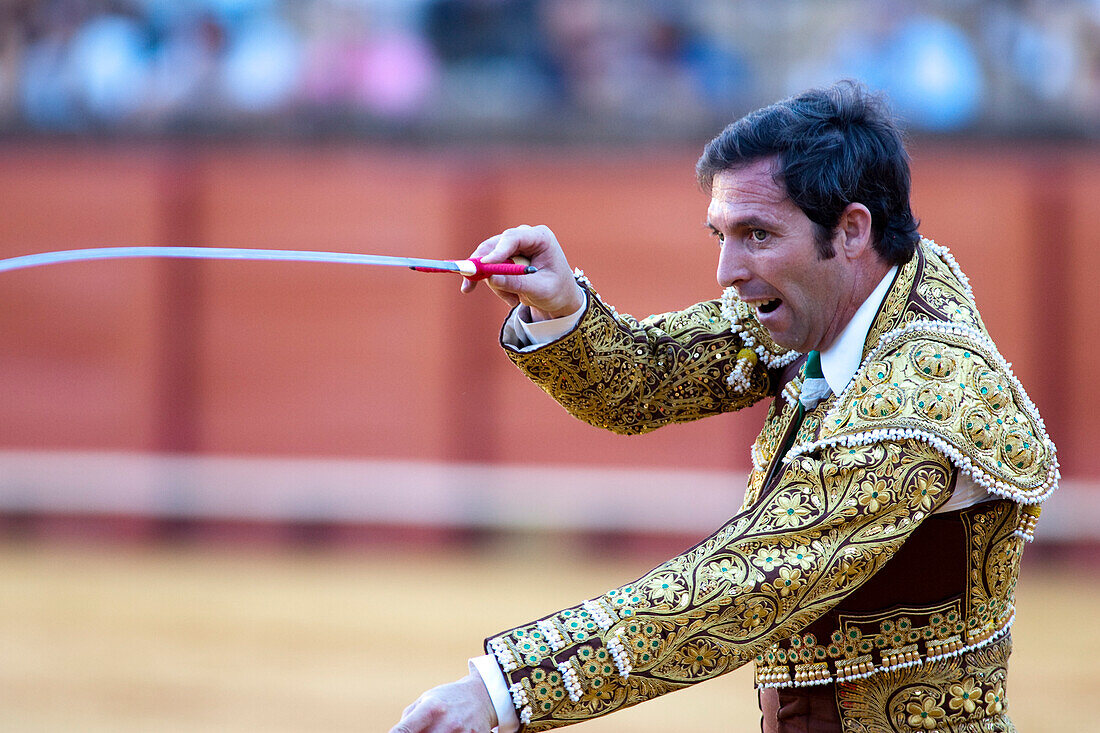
x=519, y=702
x=605, y=612
x=758, y=462
x=771, y=360
x=739, y=375
x=1025, y=530
x=504, y=656
x=944, y=254
x=553, y=636
x=599, y=615
x=792, y=390
x=570, y=680
x=619, y=655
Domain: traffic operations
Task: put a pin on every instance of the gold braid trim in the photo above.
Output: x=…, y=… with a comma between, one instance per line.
x=829, y=526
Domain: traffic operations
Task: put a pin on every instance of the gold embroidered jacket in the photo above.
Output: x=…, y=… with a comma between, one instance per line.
x=799, y=581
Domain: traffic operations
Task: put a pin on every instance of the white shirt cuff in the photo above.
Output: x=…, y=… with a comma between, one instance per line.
x=522, y=335
x=497, y=686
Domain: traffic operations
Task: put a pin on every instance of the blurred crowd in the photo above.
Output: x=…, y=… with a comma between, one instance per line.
x=615, y=68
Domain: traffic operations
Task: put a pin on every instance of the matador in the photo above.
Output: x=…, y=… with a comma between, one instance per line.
x=869, y=574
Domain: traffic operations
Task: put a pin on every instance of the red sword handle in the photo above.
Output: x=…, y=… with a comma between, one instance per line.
x=479, y=271
x=518, y=266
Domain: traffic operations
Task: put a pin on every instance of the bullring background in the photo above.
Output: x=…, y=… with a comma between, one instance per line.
x=273, y=496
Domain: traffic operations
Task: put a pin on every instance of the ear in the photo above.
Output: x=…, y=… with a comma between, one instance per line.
x=854, y=234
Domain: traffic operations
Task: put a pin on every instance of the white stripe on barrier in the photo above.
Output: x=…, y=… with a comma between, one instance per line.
x=502, y=496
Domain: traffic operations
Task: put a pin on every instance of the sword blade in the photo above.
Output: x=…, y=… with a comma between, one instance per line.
x=221, y=253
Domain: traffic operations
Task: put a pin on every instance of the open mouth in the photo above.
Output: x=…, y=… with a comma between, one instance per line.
x=769, y=306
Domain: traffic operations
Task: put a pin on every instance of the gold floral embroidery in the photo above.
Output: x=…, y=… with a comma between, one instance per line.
x=924, y=714
x=665, y=589
x=789, y=510
x=983, y=613
x=965, y=696
x=789, y=580
x=699, y=658
x=995, y=700
x=875, y=495
x=723, y=572
x=940, y=288
x=995, y=552
x=768, y=558
x=800, y=557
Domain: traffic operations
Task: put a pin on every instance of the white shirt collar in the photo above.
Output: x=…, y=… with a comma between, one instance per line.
x=840, y=361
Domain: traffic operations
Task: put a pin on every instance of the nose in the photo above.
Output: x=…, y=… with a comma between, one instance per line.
x=731, y=267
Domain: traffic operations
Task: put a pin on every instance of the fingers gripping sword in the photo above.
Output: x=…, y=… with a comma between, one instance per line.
x=473, y=268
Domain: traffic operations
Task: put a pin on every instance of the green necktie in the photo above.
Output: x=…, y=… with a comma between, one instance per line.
x=813, y=365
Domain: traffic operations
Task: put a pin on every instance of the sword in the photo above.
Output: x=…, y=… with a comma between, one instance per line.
x=473, y=268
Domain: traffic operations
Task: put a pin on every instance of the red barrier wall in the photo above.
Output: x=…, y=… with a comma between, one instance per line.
x=325, y=360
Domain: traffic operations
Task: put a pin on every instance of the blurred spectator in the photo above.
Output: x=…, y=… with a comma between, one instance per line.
x=522, y=67
x=109, y=62
x=932, y=74
x=186, y=59
x=261, y=67
x=494, y=62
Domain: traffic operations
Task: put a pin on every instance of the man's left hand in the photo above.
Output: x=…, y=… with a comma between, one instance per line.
x=458, y=706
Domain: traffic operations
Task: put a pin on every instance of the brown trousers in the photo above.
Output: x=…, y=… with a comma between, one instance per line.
x=799, y=710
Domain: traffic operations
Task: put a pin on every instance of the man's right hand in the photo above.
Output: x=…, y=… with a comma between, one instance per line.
x=552, y=292
x=459, y=706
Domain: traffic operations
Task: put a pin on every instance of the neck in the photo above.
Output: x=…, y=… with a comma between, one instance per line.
x=865, y=280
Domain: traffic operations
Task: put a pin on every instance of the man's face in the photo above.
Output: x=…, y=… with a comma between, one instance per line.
x=769, y=256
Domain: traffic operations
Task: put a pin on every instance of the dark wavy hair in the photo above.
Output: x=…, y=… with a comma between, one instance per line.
x=834, y=146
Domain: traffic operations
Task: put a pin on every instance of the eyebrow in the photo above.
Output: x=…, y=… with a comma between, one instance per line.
x=751, y=222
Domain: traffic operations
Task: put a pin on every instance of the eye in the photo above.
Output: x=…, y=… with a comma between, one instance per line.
x=718, y=235
x=758, y=235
